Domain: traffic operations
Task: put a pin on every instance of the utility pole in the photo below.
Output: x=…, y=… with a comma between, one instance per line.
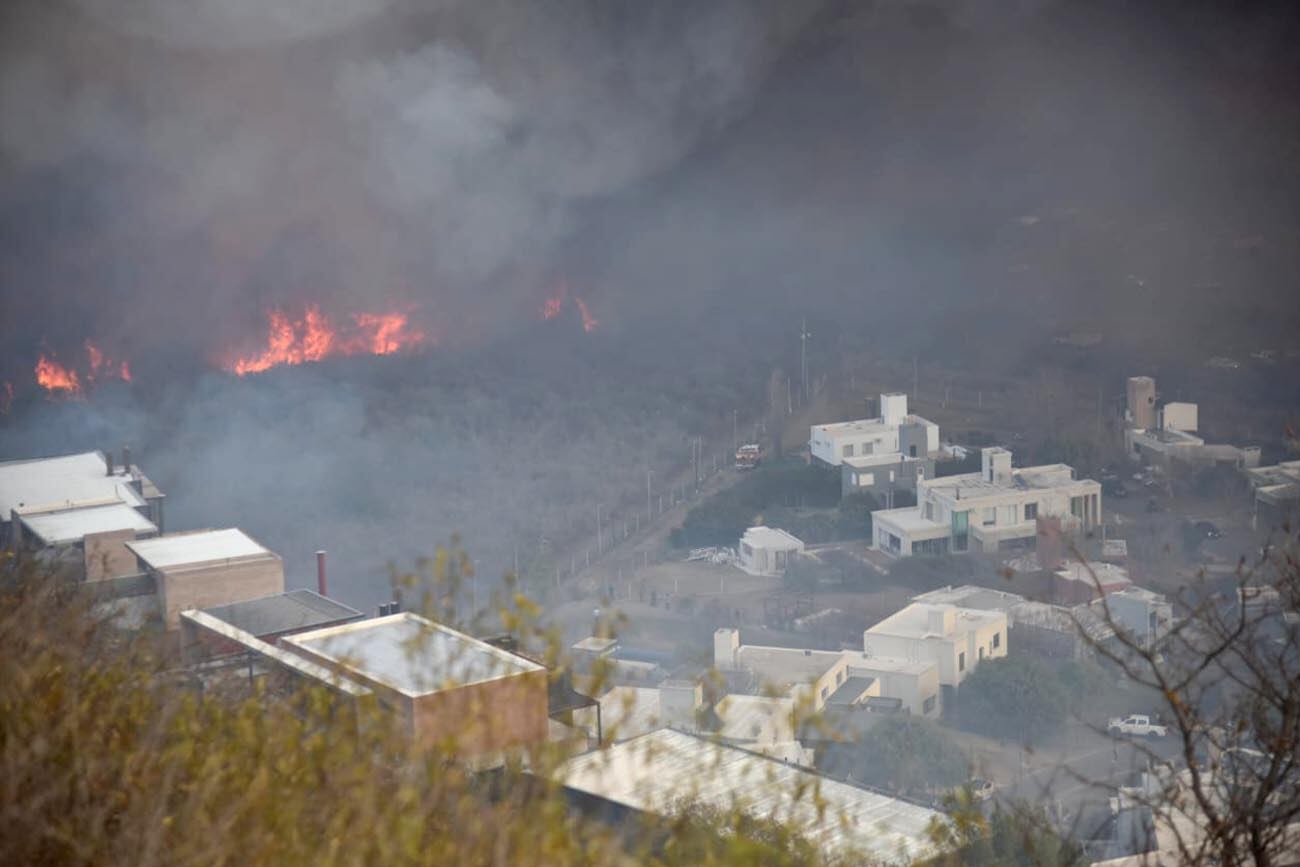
x=803, y=358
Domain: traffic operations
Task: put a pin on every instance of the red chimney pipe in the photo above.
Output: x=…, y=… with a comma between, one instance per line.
x=321, y=586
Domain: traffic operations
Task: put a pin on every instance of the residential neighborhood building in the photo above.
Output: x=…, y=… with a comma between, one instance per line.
x=657, y=772
x=1276, y=490
x=954, y=639
x=1143, y=615
x=442, y=683
x=1038, y=628
x=49, y=496
x=893, y=432
x=883, y=476
x=204, y=568
x=996, y=508
x=818, y=675
x=767, y=551
x=1161, y=434
x=273, y=617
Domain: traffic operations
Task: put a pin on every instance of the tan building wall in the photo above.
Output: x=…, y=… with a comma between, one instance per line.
x=216, y=584
x=107, y=555
x=485, y=717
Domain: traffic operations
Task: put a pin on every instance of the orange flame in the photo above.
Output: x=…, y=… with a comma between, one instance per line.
x=552, y=306
x=54, y=377
x=589, y=322
x=314, y=337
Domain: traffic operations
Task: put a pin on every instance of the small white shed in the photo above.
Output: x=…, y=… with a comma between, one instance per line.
x=767, y=551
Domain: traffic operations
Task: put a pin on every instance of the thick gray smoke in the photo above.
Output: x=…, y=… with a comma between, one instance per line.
x=217, y=158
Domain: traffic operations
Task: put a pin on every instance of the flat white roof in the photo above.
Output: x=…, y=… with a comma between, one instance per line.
x=68, y=479
x=860, y=660
x=909, y=519
x=191, y=549
x=658, y=771
x=770, y=537
x=861, y=426
x=886, y=458
x=1107, y=574
x=411, y=654
x=72, y=525
x=914, y=620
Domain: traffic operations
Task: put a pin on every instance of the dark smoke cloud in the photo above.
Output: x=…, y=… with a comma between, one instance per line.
x=213, y=158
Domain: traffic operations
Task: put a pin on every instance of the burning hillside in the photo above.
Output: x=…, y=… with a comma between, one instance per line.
x=553, y=306
x=314, y=337
x=59, y=379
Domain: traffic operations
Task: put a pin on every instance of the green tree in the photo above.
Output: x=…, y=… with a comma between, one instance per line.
x=1016, y=696
x=910, y=755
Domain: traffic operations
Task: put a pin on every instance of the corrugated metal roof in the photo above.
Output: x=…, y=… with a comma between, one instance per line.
x=664, y=769
x=411, y=654
x=72, y=525
x=284, y=612
x=203, y=546
x=66, y=479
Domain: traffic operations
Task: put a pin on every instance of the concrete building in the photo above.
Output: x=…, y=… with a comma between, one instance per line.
x=954, y=639
x=1276, y=490
x=882, y=476
x=1143, y=615
x=1038, y=628
x=68, y=483
x=767, y=551
x=1142, y=402
x=894, y=431
x=660, y=771
x=87, y=540
x=996, y=508
x=1164, y=434
x=204, y=568
x=817, y=675
x=443, y=683
x=270, y=618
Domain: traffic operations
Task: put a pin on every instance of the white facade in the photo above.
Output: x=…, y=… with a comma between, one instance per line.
x=832, y=443
x=814, y=675
x=1179, y=416
x=954, y=639
x=767, y=551
x=983, y=511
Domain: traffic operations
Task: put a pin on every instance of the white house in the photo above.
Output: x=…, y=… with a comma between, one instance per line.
x=955, y=639
x=767, y=551
x=996, y=508
x=815, y=675
x=894, y=432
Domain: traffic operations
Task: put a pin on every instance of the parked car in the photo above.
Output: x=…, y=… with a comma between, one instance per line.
x=1208, y=530
x=1136, y=725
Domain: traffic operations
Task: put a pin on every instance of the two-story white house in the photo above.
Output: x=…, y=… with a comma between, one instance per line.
x=894, y=432
x=996, y=508
x=954, y=639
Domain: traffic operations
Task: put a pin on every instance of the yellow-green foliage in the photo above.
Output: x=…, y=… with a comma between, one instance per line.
x=107, y=757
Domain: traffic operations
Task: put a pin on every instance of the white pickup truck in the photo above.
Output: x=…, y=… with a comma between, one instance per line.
x=1137, y=725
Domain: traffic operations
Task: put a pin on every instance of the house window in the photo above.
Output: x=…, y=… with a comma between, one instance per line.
x=928, y=707
x=961, y=661
x=989, y=516
x=847, y=450
x=911, y=451
x=997, y=640
x=981, y=653
x=866, y=480
x=929, y=511
x=825, y=690
x=891, y=477
x=1031, y=511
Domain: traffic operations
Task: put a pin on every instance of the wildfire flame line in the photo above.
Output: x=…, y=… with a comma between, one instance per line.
x=60, y=379
x=314, y=337
x=552, y=306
